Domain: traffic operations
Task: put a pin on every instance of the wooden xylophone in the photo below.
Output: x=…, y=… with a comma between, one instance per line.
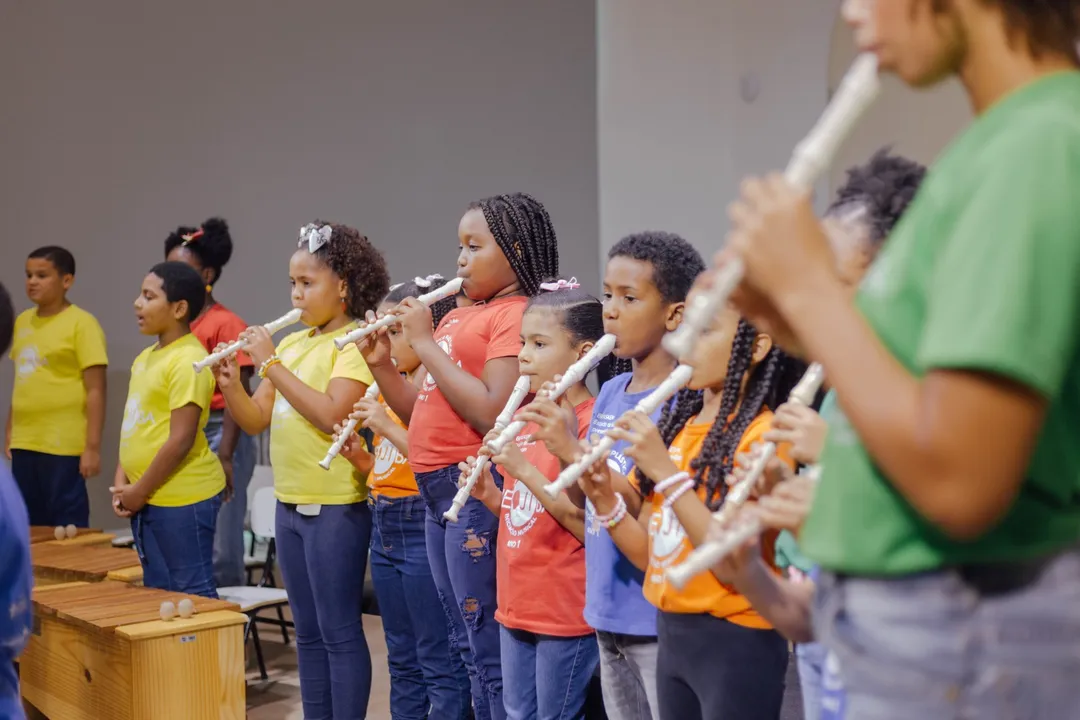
x=100, y=651
x=60, y=563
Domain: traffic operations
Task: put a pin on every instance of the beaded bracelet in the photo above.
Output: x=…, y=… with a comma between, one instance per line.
x=670, y=499
x=267, y=364
x=678, y=477
x=615, y=516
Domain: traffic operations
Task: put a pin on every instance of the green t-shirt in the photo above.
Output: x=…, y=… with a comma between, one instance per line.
x=982, y=274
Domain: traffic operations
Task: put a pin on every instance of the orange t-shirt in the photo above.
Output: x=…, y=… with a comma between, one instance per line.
x=391, y=476
x=669, y=546
x=471, y=336
x=219, y=325
x=540, y=579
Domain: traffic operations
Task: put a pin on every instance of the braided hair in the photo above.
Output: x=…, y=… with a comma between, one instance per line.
x=416, y=288
x=353, y=258
x=768, y=386
x=211, y=244
x=522, y=227
x=675, y=266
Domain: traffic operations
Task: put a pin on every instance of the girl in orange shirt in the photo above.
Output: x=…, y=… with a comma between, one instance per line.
x=506, y=249
x=717, y=657
x=425, y=676
x=549, y=652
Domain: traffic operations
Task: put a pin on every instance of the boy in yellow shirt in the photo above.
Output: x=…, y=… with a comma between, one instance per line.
x=168, y=481
x=53, y=435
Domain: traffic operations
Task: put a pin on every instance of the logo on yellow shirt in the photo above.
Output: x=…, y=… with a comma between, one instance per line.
x=28, y=362
x=134, y=416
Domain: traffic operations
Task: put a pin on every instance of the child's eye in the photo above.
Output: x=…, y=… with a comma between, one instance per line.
x=631, y=298
x=607, y=296
x=539, y=344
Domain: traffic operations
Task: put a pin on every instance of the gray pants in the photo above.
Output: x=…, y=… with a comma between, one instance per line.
x=932, y=647
x=628, y=676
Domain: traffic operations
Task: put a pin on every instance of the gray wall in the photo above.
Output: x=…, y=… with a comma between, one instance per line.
x=121, y=119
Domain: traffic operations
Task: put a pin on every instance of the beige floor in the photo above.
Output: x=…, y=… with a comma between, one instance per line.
x=279, y=698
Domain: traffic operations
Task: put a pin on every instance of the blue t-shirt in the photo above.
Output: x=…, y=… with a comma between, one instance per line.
x=614, y=601
x=16, y=580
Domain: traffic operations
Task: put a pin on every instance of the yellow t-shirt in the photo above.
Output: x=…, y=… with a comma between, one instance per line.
x=296, y=446
x=48, y=403
x=162, y=380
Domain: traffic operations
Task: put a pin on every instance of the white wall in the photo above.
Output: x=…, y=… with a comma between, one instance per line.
x=121, y=119
x=696, y=94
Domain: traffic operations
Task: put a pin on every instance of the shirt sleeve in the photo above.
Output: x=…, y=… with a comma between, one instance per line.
x=1004, y=293
x=505, y=338
x=228, y=331
x=90, y=343
x=187, y=387
x=350, y=364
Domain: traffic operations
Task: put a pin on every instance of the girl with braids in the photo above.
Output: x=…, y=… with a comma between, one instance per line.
x=717, y=657
x=549, y=652
x=426, y=675
x=308, y=386
x=952, y=591
x=506, y=249
x=208, y=249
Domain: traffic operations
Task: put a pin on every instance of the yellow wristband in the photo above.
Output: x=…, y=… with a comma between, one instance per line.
x=270, y=362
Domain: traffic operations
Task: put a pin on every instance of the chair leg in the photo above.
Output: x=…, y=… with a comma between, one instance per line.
x=258, y=649
x=284, y=626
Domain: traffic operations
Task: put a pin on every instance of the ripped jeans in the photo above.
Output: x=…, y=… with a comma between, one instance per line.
x=462, y=557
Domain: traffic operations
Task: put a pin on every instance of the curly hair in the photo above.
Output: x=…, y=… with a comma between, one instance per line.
x=675, y=266
x=211, y=243
x=522, y=227
x=884, y=187
x=179, y=281
x=353, y=258
x=1046, y=26
x=768, y=386
x=412, y=288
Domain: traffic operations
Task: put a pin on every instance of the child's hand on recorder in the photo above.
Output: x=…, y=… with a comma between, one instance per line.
x=372, y=415
x=646, y=447
x=802, y=427
x=485, y=490
x=595, y=482
x=776, y=471
x=415, y=318
x=557, y=425
x=226, y=372
x=736, y=564
x=355, y=451
x=375, y=348
x=260, y=344
x=787, y=506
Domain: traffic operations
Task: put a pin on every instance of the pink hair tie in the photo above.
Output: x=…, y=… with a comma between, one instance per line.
x=571, y=284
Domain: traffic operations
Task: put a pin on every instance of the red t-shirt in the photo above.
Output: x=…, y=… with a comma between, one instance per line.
x=438, y=437
x=541, y=566
x=218, y=325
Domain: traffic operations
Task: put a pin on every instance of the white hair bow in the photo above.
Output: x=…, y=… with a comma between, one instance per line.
x=425, y=282
x=571, y=284
x=315, y=237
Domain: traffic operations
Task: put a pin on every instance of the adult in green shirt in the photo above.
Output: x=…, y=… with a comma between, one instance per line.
x=947, y=523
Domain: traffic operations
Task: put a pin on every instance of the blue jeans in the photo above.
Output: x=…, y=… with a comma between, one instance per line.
x=933, y=646
x=323, y=558
x=176, y=545
x=229, y=541
x=424, y=673
x=52, y=488
x=462, y=557
x=547, y=677
x=811, y=660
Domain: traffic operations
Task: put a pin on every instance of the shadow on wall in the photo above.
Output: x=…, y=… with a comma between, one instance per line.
x=918, y=124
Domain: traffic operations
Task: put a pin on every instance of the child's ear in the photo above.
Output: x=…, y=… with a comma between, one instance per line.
x=584, y=348
x=180, y=309
x=674, y=316
x=66, y=281
x=762, y=345
x=343, y=290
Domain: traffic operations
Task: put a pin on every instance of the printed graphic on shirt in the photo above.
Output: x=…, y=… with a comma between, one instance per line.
x=524, y=509
x=134, y=416
x=386, y=456
x=28, y=363
x=445, y=342
x=666, y=531
x=601, y=423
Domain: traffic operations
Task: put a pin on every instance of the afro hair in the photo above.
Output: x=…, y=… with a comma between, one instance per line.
x=884, y=186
